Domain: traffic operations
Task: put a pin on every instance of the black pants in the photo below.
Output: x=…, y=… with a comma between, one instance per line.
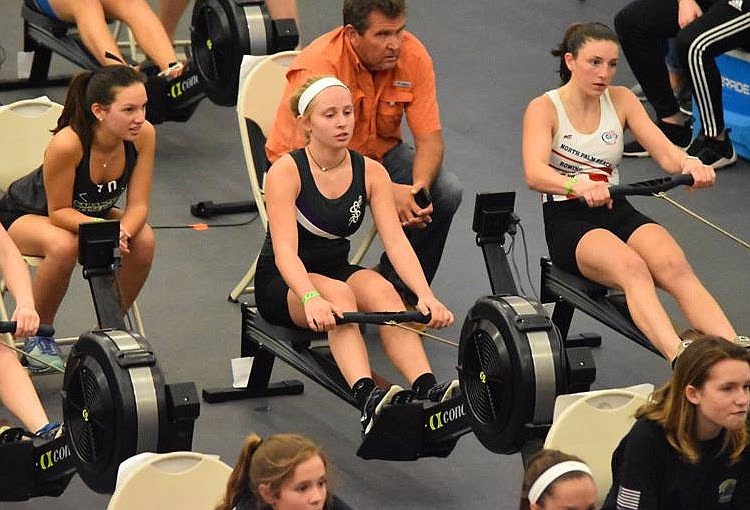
x=720, y=29
x=644, y=26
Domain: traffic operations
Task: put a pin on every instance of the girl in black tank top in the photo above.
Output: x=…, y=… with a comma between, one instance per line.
x=101, y=147
x=315, y=198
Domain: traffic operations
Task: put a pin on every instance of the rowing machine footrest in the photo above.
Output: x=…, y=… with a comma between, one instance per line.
x=584, y=340
x=581, y=369
x=16, y=471
x=396, y=434
x=183, y=409
x=286, y=387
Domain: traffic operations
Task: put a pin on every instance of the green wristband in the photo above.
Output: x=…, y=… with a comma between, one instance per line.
x=310, y=295
x=569, y=185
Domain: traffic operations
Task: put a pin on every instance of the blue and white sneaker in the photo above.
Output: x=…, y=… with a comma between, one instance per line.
x=44, y=348
x=51, y=431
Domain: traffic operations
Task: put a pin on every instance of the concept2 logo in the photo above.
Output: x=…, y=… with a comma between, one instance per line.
x=441, y=419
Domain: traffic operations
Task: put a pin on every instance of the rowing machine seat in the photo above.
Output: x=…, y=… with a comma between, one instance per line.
x=40, y=29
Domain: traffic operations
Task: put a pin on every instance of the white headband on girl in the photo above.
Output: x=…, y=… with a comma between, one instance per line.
x=552, y=474
x=316, y=88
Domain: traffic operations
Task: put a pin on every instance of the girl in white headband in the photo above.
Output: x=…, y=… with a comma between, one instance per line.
x=316, y=198
x=557, y=481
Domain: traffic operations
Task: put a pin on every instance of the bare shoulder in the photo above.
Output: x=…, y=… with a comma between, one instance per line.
x=146, y=137
x=621, y=96
x=65, y=144
x=375, y=174
x=375, y=168
x=541, y=106
x=283, y=170
x=625, y=103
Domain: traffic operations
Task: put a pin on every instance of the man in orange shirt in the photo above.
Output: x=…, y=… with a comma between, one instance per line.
x=389, y=73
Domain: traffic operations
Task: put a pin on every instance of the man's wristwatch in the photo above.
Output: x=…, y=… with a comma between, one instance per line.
x=742, y=341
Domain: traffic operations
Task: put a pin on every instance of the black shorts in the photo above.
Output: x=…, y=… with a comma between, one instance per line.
x=8, y=217
x=565, y=223
x=271, y=290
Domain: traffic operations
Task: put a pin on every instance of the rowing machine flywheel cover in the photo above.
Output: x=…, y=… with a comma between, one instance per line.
x=511, y=368
x=222, y=31
x=114, y=404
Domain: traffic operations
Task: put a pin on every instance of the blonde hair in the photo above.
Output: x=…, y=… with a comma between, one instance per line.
x=268, y=462
x=671, y=409
x=294, y=99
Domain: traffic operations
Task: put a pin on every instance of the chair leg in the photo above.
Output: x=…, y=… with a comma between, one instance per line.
x=244, y=286
x=7, y=338
x=364, y=246
x=135, y=319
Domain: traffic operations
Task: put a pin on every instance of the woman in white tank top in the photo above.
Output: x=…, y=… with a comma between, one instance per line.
x=572, y=144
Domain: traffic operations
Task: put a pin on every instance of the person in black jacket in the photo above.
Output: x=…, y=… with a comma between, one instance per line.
x=283, y=472
x=689, y=446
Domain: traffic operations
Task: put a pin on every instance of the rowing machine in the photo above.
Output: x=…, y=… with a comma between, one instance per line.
x=114, y=399
x=222, y=32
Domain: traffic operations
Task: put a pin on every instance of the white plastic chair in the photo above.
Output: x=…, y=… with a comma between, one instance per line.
x=590, y=425
x=258, y=99
x=25, y=131
x=178, y=480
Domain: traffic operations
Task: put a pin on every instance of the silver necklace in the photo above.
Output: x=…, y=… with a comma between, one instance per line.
x=325, y=168
x=106, y=163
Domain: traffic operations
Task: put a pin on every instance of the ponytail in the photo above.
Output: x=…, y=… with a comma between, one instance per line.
x=76, y=112
x=239, y=480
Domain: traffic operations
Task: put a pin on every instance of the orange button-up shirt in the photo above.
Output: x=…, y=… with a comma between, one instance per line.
x=380, y=99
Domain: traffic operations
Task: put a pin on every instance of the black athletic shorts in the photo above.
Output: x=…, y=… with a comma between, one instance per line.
x=271, y=289
x=8, y=217
x=565, y=223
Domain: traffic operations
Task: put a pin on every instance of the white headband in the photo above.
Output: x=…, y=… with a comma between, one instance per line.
x=316, y=88
x=552, y=474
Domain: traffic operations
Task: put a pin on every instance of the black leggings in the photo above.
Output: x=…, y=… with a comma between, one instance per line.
x=644, y=26
x=722, y=28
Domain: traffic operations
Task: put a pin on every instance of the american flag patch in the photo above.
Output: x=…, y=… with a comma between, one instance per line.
x=628, y=499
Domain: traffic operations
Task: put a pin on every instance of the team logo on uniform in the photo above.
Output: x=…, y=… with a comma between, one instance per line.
x=726, y=490
x=609, y=137
x=355, y=210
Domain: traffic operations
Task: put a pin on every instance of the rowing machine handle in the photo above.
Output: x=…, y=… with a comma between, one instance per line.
x=649, y=187
x=10, y=327
x=383, y=317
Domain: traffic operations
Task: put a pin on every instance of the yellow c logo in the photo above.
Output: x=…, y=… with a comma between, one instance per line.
x=483, y=377
x=85, y=415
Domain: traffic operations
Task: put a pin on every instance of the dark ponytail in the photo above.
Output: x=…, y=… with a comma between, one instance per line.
x=575, y=37
x=89, y=87
x=239, y=480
